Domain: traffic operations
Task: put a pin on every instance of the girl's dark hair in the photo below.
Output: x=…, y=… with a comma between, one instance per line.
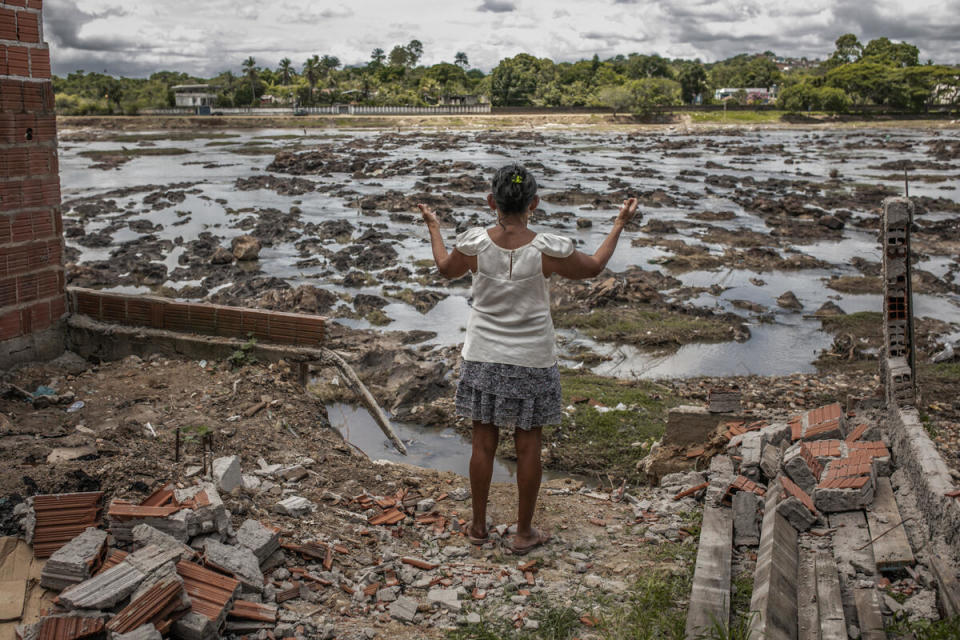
x=514, y=188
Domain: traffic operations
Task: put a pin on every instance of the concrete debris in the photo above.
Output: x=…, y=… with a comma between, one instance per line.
x=746, y=518
x=770, y=461
x=404, y=609
x=446, y=598
x=261, y=540
x=240, y=561
x=293, y=474
x=145, y=632
x=227, y=473
x=144, y=535
x=104, y=590
x=294, y=506
x=802, y=467
x=724, y=401
x=75, y=561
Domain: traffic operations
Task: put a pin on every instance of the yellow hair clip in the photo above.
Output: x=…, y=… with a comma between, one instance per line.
x=517, y=179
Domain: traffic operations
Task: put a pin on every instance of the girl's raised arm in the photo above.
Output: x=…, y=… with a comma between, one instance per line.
x=579, y=265
x=450, y=265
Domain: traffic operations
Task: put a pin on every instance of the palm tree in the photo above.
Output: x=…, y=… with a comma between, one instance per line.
x=311, y=71
x=286, y=70
x=250, y=70
x=461, y=60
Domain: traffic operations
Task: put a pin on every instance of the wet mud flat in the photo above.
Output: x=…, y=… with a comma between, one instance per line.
x=748, y=240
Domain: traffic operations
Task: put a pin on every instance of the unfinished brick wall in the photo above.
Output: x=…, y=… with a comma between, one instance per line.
x=898, y=361
x=32, y=300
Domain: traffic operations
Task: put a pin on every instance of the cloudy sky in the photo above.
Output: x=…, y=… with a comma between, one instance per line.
x=203, y=37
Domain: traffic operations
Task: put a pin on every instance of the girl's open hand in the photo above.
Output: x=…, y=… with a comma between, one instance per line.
x=428, y=215
x=627, y=211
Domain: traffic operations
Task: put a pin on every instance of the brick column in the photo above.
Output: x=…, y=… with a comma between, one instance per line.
x=898, y=361
x=32, y=299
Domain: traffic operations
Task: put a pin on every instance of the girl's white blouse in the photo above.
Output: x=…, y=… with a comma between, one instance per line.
x=510, y=319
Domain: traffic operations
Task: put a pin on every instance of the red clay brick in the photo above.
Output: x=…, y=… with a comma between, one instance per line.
x=15, y=3
x=10, y=196
x=18, y=61
x=15, y=163
x=10, y=325
x=21, y=227
x=58, y=307
x=858, y=432
x=8, y=292
x=34, y=4
x=48, y=284
x=811, y=459
x=28, y=288
x=45, y=128
x=11, y=96
x=39, y=316
x=871, y=449
x=4, y=231
x=28, y=27
x=793, y=490
x=40, y=63
x=8, y=24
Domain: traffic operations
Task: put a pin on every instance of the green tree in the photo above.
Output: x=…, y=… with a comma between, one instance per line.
x=833, y=99
x=693, y=81
x=377, y=56
x=250, y=70
x=286, y=70
x=513, y=81
x=399, y=56
x=311, y=72
x=848, y=49
x=761, y=72
x=414, y=52
x=897, y=55
x=655, y=92
x=461, y=60
x=617, y=97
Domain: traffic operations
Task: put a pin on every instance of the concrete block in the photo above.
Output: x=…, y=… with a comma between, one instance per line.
x=404, y=609
x=774, y=596
x=294, y=506
x=777, y=434
x=210, y=516
x=796, y=513
x=751, y=449
x=445, y=598
x=193, y=626
x=688, y=425
x=151, y=558
x=144, y=535
x=73, y=562
x=227, y=473
x=770, y=461
x=746, y=518
x=293, y=474
x=259, y=539
x=104, y=590
x=801, y=467
x=844, y=494
x=146, y=632
x=238, y=560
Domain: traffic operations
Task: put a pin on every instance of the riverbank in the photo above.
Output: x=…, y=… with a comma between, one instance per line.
x=689, y=120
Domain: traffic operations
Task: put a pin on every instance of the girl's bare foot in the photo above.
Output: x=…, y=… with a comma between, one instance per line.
x=522, y=544
x=477, y=535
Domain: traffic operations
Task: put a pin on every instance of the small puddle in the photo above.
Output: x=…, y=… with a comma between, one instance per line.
x=437, y=448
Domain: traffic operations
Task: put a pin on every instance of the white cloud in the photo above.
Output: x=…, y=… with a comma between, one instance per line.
x=142, y=36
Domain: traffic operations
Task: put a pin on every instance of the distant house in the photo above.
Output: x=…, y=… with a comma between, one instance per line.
x=194, y=95
x=462, y=100
x=754, y=94
x=945, y=94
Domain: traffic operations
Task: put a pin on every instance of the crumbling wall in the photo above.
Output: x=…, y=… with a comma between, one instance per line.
x=32, y=301
x=914, y=451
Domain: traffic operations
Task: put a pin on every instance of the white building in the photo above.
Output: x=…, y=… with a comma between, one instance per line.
x=753, y=93
x=194, y=95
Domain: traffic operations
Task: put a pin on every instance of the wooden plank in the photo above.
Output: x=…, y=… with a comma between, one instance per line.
x=833, y=625
x=710, y=596
x=808, y=615
x=891, y=550
x=774, y=599
x=869, y=615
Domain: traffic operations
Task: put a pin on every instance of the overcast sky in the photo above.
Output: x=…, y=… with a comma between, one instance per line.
x=204, y=37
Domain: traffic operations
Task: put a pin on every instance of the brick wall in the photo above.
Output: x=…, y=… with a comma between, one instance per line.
x=32, y=299
x=197, y=317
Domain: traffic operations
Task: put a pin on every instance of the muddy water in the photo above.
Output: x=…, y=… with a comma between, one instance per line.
x=784, y=342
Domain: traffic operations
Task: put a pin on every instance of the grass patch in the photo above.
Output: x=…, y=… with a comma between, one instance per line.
x=589, y=440
x=650, y=328
x=948, y=629
x=378, y=318
x=99, y=154
x=736, y=117
x=172, y=135
x=855, y=284
x=863, y=324
x=654, y=608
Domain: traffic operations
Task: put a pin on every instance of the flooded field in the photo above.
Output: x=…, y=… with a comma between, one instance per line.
x=732, y=219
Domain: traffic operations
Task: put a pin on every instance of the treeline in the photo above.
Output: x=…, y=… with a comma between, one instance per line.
x=854, y=75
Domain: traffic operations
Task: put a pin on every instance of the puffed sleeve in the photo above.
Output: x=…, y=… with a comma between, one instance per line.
x=553, y=245
x=472, y=241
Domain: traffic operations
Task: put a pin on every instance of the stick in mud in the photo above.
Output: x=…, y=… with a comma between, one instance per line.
x=354, y=382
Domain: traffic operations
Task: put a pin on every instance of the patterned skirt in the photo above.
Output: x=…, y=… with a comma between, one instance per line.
x=509, y=396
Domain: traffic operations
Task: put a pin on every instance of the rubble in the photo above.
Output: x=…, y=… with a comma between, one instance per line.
x=294, y=506
x=261, y=540
x=240, y=561
x=76, y=561
x=226, y=473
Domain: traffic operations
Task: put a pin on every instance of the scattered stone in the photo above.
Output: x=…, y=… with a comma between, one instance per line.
x=829, y=309
x=221, y=256
x=245, y=248
x=404, y=609
x=460, y=494
x=294, y=506
x=294, y=473
x=446, y=598
x=788, y=300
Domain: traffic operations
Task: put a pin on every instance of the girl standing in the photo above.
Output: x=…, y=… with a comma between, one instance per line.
x=509, y=377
